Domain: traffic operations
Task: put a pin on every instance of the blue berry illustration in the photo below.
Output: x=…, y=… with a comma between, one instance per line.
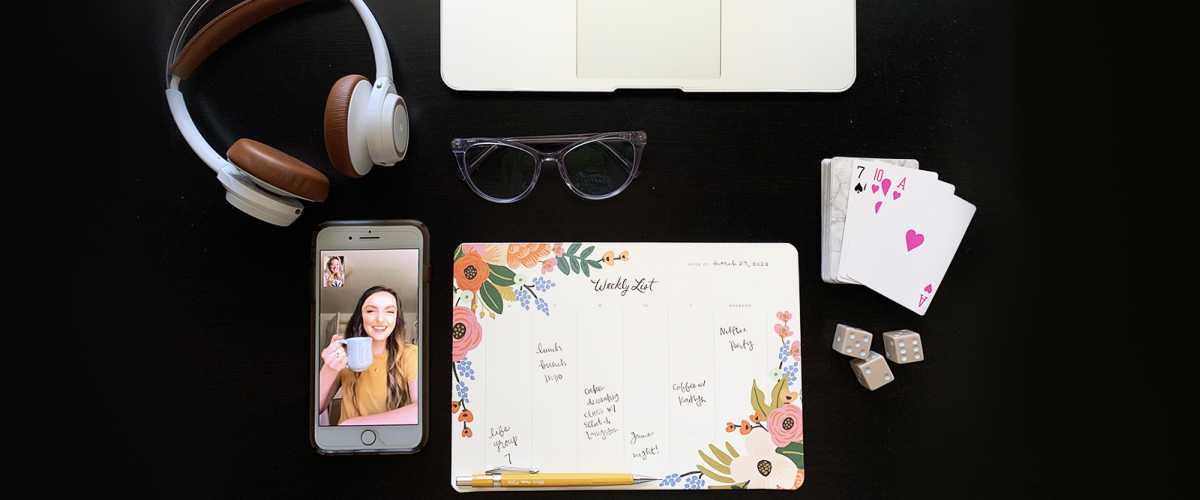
x=542, y=284
x=462, y=392
x=790, y=372
x=465, y=370
x=694, y=482
x=671, y=480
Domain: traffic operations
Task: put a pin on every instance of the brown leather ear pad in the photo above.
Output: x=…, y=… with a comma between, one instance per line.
x=337, y=112
x=276, y=168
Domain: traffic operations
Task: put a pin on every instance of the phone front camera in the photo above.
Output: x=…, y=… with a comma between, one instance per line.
x=349, y=237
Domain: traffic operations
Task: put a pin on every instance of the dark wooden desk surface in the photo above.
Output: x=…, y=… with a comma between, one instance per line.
x=987, y=415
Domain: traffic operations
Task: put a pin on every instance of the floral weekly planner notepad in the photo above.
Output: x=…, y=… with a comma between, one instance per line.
x=678, y=361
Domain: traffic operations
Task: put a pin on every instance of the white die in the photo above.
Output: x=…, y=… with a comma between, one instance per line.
x=872, y=372
x=851, y=341
x=903, y=346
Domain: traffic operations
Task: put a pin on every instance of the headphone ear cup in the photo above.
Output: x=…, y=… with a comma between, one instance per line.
x=338, y=123
x=276, y=171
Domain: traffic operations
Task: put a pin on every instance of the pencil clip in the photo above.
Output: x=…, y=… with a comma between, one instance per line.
x=498, y=470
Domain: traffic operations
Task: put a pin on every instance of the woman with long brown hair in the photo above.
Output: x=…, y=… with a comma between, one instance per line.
x=386, y=392
x=334, y=275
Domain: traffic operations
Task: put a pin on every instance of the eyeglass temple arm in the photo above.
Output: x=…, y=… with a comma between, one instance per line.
x=545, y=140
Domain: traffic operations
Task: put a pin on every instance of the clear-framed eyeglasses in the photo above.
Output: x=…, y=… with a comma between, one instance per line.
x=594, y=166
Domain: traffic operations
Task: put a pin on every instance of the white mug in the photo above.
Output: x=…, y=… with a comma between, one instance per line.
x=358, y=353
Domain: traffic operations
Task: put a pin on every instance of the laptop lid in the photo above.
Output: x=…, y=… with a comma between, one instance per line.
x=693, y=45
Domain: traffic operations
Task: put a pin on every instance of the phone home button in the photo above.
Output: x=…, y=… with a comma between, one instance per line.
x=368, y=437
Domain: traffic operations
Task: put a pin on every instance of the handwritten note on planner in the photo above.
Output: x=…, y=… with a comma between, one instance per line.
x=679, y=361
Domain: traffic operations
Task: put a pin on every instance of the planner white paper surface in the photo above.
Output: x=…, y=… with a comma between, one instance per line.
x=679, y=361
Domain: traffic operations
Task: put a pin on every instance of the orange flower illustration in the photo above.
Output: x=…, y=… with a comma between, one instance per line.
x=730, y=426
x=745, y=428
x=799, y=478
x=608, y=258
x=786, y=395
x=529, y=255
x=756, y=417
x=624, y=255
x=467, y=433
x=470, y=271
x=454, y=406
x=466, y=416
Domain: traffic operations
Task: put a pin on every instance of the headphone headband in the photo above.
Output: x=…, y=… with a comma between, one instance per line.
x=249, y=13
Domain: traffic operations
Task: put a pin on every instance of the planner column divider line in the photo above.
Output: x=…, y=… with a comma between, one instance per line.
x=531, y=390
x=576, y=391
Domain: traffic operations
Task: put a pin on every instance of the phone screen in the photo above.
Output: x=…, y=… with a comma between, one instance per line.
x=368, y=303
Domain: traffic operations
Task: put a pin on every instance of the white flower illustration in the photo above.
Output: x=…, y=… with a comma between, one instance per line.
x=762, y=466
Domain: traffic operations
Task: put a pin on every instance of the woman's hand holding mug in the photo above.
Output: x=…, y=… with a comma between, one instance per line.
x=335, y=355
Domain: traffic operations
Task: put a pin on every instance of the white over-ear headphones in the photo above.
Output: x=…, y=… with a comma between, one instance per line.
x=365, y=124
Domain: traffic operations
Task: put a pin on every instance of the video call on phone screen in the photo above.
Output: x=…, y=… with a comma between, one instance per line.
x=367, y=336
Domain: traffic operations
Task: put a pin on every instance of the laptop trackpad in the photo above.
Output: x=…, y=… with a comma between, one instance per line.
x=649, y=39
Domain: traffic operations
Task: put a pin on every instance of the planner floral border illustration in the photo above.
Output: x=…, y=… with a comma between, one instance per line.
x=487, y=276
x=774, y=446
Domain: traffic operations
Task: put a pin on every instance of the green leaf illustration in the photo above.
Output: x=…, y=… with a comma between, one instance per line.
x=586, y=252
x=491, y=297
x=794, y=451
x=563, y=266
x=720, y=455
x=714, y=464
x=740, y=486
x=777, y=401
x=714, y=476
x=574, y=246
x=593, y=263
x=587, y=271
x=574, y=263
x=731, y=450
x=756, y=400
x=458, y=252
x=500, y=275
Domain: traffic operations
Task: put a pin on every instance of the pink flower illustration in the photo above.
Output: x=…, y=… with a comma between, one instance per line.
x=795, y=350
x=785, y=425
x=783, y=331
x=557, y=249
x=467, y=333
x=784, y=316
x=548, y=265
x=478, y=248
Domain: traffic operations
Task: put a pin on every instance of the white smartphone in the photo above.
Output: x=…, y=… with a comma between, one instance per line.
x=369, y=350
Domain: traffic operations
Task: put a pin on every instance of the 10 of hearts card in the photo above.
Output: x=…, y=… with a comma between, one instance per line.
x=890, y=226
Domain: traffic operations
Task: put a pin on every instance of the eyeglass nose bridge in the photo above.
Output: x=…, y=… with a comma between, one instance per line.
x=562, y=168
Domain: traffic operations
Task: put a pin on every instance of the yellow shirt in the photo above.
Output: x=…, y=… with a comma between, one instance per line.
x=368, y=396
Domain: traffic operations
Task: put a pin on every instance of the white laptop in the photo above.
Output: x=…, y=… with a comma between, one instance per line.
x=693, y=45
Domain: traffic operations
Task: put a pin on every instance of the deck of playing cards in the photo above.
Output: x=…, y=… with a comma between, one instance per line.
x=890, y=226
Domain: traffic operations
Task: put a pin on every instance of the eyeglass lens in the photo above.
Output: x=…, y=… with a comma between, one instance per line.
x=601, y=167
x=503, y=172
